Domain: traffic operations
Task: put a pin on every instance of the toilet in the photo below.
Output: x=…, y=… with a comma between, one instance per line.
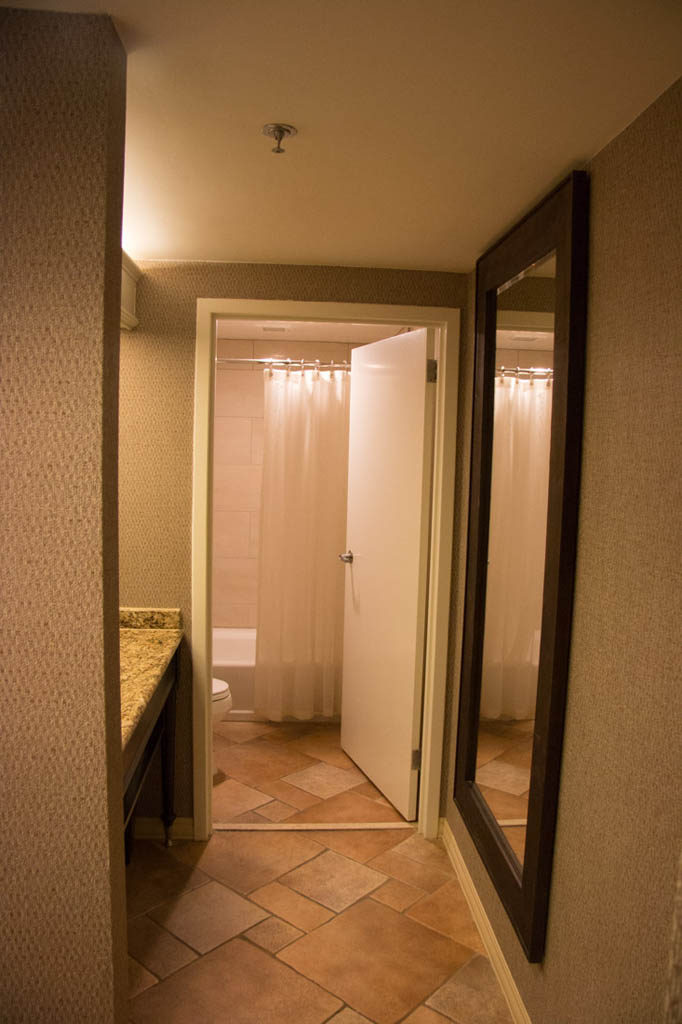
x=221, y=699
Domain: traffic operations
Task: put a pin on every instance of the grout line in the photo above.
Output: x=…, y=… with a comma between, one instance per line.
x=175, y=896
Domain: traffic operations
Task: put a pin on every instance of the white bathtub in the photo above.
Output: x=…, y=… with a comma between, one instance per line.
x=234, y=660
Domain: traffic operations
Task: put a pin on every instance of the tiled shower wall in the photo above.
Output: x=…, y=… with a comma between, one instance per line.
x=237, y=470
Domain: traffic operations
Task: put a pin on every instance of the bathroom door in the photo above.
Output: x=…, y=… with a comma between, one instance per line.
x=389, y=498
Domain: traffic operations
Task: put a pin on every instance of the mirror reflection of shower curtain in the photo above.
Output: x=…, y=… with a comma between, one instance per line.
x=299, y=640
x=516, y=548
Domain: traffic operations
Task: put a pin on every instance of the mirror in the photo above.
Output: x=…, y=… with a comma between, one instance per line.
x=522, y=400
x=527, y=417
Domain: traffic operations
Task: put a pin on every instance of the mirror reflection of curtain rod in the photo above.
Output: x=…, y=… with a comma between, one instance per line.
x=531, y=372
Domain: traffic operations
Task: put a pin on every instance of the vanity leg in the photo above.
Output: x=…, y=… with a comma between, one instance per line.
x=168, y=765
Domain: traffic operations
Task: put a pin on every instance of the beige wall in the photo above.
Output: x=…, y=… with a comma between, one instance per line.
x=62, y=926
x=619, y=827
x=237, y=470
x=156, y=422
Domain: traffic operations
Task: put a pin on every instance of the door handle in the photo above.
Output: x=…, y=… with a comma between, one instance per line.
x=347, y=556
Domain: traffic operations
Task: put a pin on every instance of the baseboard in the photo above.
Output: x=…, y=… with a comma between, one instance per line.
x=152, y=828
x=313, y=826
x=497, y=961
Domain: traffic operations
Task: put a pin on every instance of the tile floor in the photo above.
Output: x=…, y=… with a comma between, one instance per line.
x=503, y=774
x=266, y=772
x=349, y=927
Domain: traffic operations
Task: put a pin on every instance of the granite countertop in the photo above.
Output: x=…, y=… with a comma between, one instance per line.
x=149, y=637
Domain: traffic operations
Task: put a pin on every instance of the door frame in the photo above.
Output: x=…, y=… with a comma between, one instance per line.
x=446, y=321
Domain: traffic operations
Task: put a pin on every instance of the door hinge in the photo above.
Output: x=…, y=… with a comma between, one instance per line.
x=431, y=371
x=416, y=760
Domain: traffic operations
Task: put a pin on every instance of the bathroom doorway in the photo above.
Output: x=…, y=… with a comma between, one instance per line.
x=224, y=327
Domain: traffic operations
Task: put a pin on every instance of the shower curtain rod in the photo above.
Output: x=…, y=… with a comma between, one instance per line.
x=293, y=364
x=533, y=372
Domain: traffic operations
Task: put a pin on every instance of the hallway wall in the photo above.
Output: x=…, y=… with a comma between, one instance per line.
x=62, y=926
x=156, y=423
x=619, y=824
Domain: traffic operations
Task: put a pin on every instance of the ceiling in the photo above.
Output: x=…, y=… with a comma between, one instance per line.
x=308, y=330
x=425, y=127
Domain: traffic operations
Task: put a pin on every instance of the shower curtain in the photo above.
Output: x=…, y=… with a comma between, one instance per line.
x=299, y=640
x=516, y=548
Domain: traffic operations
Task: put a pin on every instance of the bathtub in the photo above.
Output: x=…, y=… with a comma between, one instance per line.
x=234, y=660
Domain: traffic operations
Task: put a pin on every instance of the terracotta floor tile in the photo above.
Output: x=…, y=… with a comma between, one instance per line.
x=285, y=732
x=348, y=1016
x=155, y=948
x=290, y=905
x=289, y=794
x=208, y=916
x=513, y=729
x=324, y=747
x=520, y=755
x=499, y=775
x=423, y=1015
x=248, y=860
x=423, y=876
x=472, y=994
x=152, y=877
x=242, y=732
x=516, y=837
x=504, y=805
x=368, y=957
x=347, y=807
x=489, y=746
x=236, y=983
x=273, y=934
x=231, y=798
x=447, y=911
x=259, y=761
x=522, y=727
x=368, y=790
x=139, y=978
x=397, y=894
x=360, y=844
x=248, y=818
x=333, y=880
x=325, y=780
x=277, y=811
x=426, y=851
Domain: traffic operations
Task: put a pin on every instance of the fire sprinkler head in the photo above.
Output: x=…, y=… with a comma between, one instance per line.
x=278, y=132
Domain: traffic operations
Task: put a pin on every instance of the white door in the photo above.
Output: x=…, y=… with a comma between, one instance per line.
x=389, y=495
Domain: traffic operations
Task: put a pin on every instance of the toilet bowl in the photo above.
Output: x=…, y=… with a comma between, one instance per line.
x=221, y=699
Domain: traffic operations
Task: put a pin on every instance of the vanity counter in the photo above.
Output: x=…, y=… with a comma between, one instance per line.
x=145, y=655
x=149, y=639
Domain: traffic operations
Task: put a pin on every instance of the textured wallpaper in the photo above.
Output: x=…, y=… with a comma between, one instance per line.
x=619, y=825
x=62, y=925
x=156, y=423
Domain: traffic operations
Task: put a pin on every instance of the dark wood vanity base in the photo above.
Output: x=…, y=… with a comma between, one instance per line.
x=155, y=728
x=149, y=641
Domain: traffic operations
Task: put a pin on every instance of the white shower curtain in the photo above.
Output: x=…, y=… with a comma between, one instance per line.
x=299, y=641
x=516, y=548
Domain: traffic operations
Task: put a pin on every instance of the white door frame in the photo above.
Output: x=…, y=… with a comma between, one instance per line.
x=446, y=322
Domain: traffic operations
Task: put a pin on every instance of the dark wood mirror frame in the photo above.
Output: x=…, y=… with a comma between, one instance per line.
x=559, y=223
